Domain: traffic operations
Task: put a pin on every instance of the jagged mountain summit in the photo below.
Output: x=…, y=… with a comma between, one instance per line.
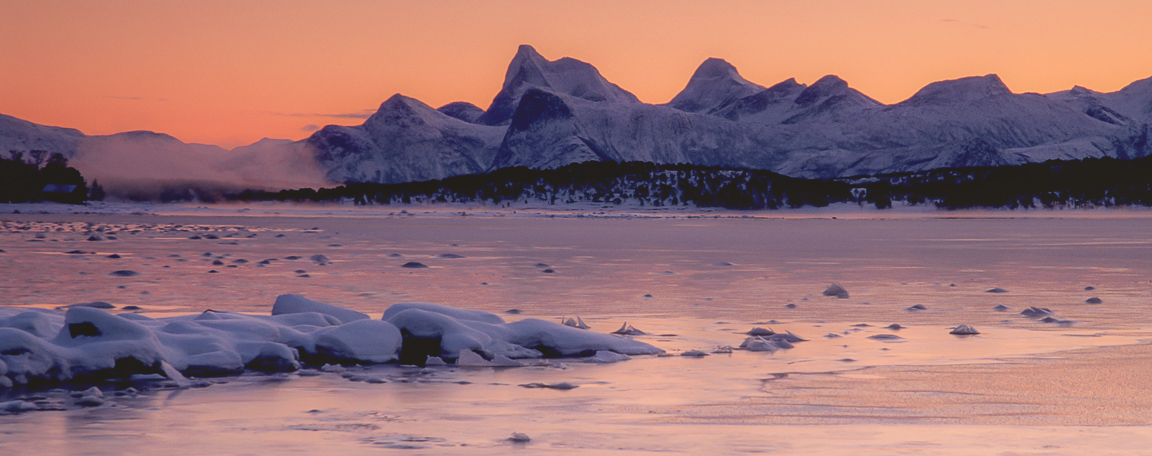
x=553, y=113
x=549, y=114
x=566, y=76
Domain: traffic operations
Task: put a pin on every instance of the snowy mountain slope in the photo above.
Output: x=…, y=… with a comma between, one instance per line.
x=18, y=135
x=564, y=76
x=570, y=130
x=828, y=99
x=973, y=121
x=768, y=107
x=462, y=110
x=1133, y=101
x=405, y=140
x=544, y=133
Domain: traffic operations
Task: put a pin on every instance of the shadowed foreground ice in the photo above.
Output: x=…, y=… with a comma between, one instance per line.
x=1045, y=369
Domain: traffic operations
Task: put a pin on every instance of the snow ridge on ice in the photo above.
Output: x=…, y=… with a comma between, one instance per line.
x=85, y=343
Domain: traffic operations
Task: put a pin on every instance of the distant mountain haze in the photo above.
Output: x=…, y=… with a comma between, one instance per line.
x=549, y=114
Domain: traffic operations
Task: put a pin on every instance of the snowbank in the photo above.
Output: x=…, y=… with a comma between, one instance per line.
x=42, y=346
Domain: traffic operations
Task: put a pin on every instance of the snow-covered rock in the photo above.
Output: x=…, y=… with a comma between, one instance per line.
x=93, y=343
x=293, y=303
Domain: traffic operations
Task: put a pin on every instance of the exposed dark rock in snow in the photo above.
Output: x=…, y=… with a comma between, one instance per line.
x=1037, y=312
x=836, y=290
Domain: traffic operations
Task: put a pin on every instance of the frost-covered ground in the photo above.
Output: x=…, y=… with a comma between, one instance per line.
x=694, y=281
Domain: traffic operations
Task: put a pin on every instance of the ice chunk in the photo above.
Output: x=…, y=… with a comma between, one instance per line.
x=17, y=406
x=469, y=358
x=563, y=386
x=1001, y=308
x=836, y=290
x=554, y=339
x=787, y=336
x=575, y=323
x=414, y=265
x=606, y=357
x=964, y=330
x=694, y=354
x=757, y=331
x=759, y=344
x=996, y=290
x=519, y=438
x=1093, y=300
x=292, y=303
x=504, y=361
x=628, y=330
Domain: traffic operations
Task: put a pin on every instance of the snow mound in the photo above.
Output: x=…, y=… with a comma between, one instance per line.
x=85, y=343
x=292, y=303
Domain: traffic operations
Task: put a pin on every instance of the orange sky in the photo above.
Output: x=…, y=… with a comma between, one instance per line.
x=232, y=72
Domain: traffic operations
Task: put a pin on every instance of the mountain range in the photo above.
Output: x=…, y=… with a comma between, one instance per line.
x=549, y=114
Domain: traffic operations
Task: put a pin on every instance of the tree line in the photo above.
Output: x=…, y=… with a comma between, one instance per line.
x=1098, y=182
x=40, y=176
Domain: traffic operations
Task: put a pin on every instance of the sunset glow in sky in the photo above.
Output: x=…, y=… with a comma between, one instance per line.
x=232, y=72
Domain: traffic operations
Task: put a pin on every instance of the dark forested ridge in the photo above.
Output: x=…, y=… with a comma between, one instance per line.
x=41, y=176
x=1100, y=182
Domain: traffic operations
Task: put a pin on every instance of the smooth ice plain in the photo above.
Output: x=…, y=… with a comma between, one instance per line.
x=879, y=371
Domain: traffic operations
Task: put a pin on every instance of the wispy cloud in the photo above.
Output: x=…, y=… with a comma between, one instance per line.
x=348, y=115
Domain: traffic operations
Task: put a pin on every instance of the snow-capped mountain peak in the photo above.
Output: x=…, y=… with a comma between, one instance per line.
x=961, y=90
x=714, y=84
x=565, y=76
